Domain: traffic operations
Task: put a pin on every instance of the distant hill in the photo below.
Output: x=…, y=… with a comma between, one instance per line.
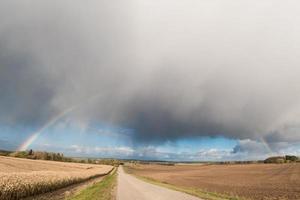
x=43, y=155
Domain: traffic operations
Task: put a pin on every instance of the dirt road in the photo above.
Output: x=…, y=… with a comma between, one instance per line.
x=131, y=188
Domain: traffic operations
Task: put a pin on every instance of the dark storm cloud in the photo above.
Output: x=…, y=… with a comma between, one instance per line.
x=25, y=92
x=165, y=69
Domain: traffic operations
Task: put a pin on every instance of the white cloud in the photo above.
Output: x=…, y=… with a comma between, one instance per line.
x=122, y=151
x=244, y=150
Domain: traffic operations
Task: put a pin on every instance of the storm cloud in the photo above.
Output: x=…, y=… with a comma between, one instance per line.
x=166, y=69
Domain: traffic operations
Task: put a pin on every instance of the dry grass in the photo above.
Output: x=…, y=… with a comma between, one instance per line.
x=21, y=178
x=253, y=181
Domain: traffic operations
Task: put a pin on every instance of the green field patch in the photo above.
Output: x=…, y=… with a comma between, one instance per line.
x=103, y=190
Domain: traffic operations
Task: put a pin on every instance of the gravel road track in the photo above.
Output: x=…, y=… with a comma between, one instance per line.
x=131, y=188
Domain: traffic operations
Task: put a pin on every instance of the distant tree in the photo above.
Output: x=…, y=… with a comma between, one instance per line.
x=291, y=158
x=30, y=152
x=275, y=159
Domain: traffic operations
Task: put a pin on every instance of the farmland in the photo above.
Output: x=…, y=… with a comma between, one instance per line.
x=247, y=181
x=21, y=177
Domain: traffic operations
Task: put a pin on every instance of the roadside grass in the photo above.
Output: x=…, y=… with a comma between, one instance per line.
x=103, y=190
x=192, y=191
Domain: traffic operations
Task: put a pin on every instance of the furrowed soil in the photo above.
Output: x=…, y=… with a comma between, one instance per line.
x=249, y=181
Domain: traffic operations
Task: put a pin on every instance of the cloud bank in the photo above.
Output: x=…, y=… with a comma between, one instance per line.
x=249, y=150
x=167, y=70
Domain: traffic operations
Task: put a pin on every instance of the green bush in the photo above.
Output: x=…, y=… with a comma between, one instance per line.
x=291, y=158
x=281, y=159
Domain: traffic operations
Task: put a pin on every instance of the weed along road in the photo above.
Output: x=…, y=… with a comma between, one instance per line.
x=131, y=188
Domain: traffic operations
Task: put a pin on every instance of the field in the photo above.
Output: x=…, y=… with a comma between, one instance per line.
x=22, y=177
x=247, y=181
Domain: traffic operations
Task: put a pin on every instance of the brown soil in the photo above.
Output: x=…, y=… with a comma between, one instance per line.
x=252, y=181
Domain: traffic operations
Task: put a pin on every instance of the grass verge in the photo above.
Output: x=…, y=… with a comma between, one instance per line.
x=103, y=190
x=192, y=191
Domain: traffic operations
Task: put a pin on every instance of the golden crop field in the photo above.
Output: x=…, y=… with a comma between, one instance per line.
x=22, y=177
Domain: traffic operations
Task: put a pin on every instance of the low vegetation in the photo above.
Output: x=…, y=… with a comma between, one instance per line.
x=21, y=178
x=39, y=155
x=42, y=155
x=103, y=190
x=4, y=152
x=282, y=159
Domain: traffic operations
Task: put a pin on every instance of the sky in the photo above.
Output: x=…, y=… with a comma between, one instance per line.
x=174, y=80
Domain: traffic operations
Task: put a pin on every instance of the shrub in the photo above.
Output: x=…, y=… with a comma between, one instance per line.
x=275, y=159
x=281, y=159
x=291, y=158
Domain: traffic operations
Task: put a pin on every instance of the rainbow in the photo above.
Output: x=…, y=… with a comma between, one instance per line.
x=24, y=146
x=266, y=145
